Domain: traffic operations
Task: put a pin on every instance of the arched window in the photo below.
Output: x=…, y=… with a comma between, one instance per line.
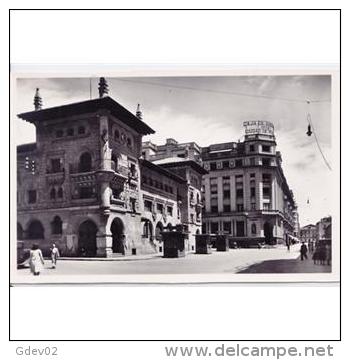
x=60, y=193
x=35, y=230
x=52, y=194
x=85, y=162
x=253, y=229
x=56, y=225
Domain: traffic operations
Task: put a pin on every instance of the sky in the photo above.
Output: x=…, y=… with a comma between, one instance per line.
x=211, y=110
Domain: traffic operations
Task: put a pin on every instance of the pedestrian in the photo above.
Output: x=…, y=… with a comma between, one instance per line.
x=55, y=254
x=303, y=252
x=322, y=254
x=36, y=260
x=316, y=255
x=328, y=254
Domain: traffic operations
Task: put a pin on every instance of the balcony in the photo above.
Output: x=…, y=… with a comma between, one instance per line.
x=55, y=178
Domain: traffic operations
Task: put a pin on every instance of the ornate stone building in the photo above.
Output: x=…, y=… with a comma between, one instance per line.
x=79, y=185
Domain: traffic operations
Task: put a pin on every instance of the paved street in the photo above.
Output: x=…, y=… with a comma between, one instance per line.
x=235, y=261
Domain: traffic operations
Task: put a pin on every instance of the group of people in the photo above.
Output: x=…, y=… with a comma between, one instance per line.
x=36, y=259
x=321, y=255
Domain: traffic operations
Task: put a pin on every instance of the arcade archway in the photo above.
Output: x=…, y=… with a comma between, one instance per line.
x=118, y=236
x=87, y=239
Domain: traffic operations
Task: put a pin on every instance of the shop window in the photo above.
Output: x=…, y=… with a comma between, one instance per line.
x=214, y=227
x=240, y=228
x=253, y=229
x=227, y=227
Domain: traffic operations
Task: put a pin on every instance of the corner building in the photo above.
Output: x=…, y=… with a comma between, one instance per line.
x=246, y=193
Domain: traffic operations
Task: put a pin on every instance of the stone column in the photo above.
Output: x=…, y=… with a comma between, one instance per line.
x=104, y=241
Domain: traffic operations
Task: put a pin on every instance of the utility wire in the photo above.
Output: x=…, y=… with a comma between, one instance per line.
x=270, y=97
x=317, y=142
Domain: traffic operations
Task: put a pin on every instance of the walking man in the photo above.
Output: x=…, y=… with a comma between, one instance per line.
x=303, y=251
x=55, y=254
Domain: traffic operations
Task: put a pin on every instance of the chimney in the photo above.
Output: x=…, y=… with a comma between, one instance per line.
x=102, y=87
x=138, y=112
x=38, y=102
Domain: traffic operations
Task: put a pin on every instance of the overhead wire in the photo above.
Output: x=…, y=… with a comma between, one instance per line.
x=316, y=138
x=233, y=93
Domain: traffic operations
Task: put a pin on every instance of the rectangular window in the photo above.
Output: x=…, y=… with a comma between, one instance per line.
x=239, y=178
x=240, y=207
x=227, y=227
x=32, y=196
x=160, y=208
x=148, y=205
x=266, y=162
x=266, y=178
x=227, y=208
x=252, y=175
x=214, y=227
x=252, y=192
x=239, y=163
x=213, y=166
x=169, y=210
x=214, y=208
x=227, y=194
x=266, y=206
x=266, y=192
x=225, y=164
x=251, y=148
x=133, y=205
x=240, y=228
x=252, y=161
x=253, y=206
x=192, y=218
x=56, y=165
x=239, y=193
x=266, y=148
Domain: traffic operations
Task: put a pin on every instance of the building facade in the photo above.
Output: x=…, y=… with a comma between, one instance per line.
x=308, y=235
x=190, y=198
x=244, y=192
x=79, y=186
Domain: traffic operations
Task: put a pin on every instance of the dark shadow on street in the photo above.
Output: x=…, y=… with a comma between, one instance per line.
x=288, y=266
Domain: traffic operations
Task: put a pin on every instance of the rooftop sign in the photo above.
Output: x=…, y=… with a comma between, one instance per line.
x=258, y=127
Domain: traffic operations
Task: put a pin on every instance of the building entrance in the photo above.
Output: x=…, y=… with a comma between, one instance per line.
x=87, y=239
x=268, y=233
x=118, y=236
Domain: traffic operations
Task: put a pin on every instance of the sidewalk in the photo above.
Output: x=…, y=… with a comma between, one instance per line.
x=117, y=258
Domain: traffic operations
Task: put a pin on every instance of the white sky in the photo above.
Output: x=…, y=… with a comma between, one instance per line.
x=208, y=117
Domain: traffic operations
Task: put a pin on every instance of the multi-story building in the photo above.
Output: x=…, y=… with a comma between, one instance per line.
x=171, y=149
x=190, y=198
x=245, y=192
x=308, y=235
x=79, y=185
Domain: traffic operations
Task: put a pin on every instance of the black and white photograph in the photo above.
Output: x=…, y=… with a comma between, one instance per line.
x=203, y=178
